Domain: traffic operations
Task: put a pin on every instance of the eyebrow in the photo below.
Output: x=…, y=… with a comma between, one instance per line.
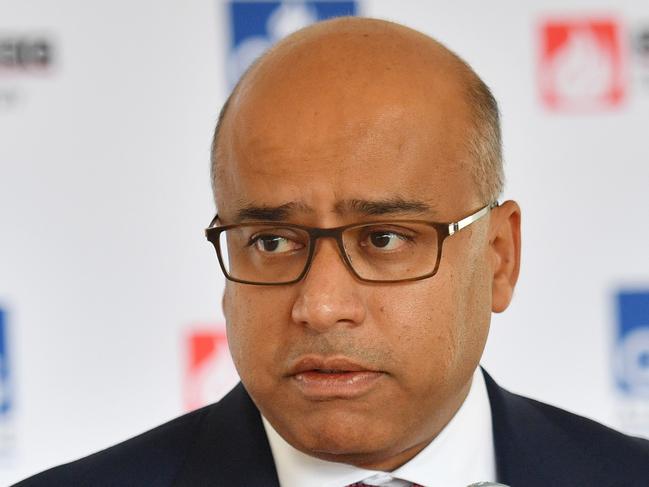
x=382, y=207
x=270, y=213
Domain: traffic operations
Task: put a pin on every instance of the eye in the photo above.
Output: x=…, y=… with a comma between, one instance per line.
x=385, y=240
x=274, y=244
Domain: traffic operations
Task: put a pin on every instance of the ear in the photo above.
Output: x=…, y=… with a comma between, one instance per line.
x=505, y=249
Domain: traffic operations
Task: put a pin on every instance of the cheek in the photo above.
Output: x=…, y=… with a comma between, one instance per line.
x=255, y=317
x=477, y=296
x=422, y=329
x=472, y=311
x=436, y=327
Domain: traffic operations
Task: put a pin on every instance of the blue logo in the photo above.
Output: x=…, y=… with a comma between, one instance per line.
x=632, y=342
x=255, y=26
x=5, y=383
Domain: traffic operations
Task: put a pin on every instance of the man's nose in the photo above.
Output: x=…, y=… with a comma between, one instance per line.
x=329, y=294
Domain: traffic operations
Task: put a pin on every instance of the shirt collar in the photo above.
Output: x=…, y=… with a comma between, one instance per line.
x=461, y=454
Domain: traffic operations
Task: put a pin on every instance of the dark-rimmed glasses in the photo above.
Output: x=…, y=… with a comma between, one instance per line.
x=277, y=253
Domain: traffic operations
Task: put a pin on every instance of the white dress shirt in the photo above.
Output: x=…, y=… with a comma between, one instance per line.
x=460, y=455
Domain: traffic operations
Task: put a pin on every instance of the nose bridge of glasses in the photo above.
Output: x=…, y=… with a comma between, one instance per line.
x=329, y=234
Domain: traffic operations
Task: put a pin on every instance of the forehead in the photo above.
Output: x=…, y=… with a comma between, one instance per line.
x=381, y=163
x=318, y=133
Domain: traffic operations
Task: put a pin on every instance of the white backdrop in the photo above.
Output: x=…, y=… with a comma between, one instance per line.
x=105, y=276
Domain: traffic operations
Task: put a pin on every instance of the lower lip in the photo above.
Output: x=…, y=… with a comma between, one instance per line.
x=337, y=385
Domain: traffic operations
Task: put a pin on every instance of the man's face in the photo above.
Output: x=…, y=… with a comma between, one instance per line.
x=318, y=150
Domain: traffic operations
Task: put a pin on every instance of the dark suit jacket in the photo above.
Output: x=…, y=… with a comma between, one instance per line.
x=224, y=444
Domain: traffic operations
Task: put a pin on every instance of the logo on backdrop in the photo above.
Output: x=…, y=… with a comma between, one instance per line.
x=24, y=54
x=581, y=64
x=6, y=396
x=640, y=42
x=632, y=343
x=209, y=372
x=21, y=56
x=255, y=26
x=5, y=383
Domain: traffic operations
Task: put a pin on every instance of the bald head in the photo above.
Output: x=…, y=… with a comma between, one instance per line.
x=352, y=65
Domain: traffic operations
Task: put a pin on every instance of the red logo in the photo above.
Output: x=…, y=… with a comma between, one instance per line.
x=210, y=373
x=581, y=64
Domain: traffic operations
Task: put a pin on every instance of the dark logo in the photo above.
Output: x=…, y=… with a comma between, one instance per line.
x=641, y=43
x=19, y=53
x=21, y=56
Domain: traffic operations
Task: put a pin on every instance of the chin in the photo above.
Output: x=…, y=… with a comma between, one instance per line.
x=340, y=435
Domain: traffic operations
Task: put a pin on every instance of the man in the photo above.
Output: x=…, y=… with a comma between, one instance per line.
x=355, y=319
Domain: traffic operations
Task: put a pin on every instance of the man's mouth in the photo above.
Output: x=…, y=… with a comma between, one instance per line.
x=326, y=378
x=331, y=371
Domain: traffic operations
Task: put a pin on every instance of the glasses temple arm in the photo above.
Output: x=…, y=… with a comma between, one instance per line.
x=465, y=222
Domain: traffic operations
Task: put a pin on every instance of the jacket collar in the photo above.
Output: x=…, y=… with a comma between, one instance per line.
x=533, y=445
x=230, y=448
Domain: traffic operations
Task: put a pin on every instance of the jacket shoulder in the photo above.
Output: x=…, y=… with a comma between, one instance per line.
x=591, y=433
x=539, y=444
x=152, y=458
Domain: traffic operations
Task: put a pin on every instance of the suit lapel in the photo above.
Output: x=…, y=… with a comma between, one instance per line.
x=509, y=458
x=531, y=450
x=231, y=447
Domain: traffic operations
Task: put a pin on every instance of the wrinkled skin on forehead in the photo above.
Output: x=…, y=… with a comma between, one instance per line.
x=362, y=110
